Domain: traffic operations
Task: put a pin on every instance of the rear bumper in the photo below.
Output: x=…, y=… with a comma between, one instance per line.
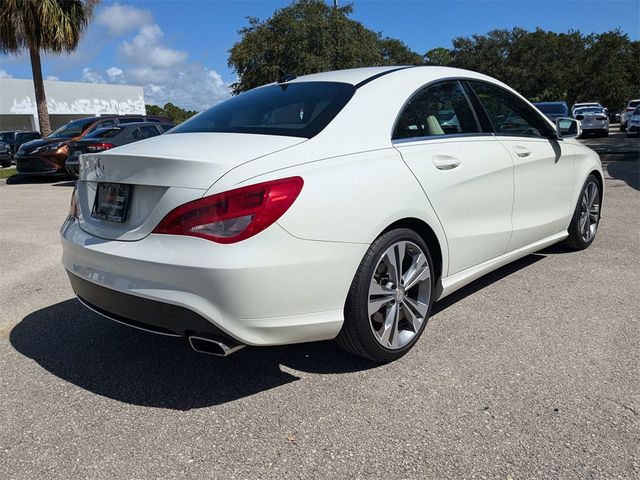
x=270, y=289
x=141, y=313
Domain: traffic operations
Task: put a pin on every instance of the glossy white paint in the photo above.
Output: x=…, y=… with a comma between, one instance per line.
x=488, y=200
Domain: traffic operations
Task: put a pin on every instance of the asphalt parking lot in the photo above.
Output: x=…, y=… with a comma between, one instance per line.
x=530, y=372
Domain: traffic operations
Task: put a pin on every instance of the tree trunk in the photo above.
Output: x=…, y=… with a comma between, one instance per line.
x=41, y=99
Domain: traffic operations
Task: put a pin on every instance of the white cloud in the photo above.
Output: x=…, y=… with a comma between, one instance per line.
x=5, y=74
x=115, y=75
x=90, y=75
x=119, y=19
x=52, y=78
x=166, y=74
x=147, y=49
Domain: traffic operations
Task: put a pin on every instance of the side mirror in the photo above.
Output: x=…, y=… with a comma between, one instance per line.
x=568, y=128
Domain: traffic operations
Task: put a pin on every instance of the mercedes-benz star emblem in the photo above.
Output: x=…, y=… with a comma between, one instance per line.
x=99, y=167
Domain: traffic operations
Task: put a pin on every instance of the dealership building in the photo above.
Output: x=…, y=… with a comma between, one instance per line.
x=66, y=101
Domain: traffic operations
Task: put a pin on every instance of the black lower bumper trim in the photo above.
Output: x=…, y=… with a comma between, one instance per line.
x=142, y=313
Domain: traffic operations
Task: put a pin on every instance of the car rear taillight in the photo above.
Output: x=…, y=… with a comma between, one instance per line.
x=235, y=215
x=98, y=147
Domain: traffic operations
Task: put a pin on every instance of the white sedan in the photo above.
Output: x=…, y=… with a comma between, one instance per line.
x=593, y=120
x=335, y=205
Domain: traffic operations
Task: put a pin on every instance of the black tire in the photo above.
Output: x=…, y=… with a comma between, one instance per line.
x=605, y=133
x=623, y=127
x=356, y=335
x=575, y=240
x=6, y=164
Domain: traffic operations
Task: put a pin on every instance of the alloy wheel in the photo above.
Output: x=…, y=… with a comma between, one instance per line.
x=399, y=294
x=589, y=212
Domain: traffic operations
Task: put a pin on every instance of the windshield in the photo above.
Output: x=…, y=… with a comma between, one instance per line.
x=72, y=129
x=296, y=109
x=6, y=137
x=551, y=108
x=589, y=110
x=105, y=132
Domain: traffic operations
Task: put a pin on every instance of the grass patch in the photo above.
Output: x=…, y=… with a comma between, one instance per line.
x=7, y=172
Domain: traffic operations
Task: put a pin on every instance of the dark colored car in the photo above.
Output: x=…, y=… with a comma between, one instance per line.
x=111, y=137
x=13, y=139
x=5, y=155
x=614, y=116
x=48, y=155
x=553, y=110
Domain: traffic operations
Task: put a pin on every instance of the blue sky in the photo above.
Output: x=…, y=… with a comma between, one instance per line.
x=178, y=50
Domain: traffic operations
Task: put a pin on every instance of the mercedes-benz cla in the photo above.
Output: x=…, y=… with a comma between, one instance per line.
x=336, y=205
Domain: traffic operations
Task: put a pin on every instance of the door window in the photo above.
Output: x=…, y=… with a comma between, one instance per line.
x=442, y=109
x=509, y=114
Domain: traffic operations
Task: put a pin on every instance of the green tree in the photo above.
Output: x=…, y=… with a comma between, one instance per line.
x=42, y=25
x=176, y=114
x=546, y=66
x=441, y=57
x=306, y=37
x=610, y=72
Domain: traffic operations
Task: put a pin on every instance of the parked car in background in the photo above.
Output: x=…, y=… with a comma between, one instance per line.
x=553, y=110
x=593, y=120
x=48, y=155
x=633, y=124
x=293, y=212
x=584, y=104
x=111, y=137
x=15, y=138
x=614, y=116
x=626, y=113
x=5, y=155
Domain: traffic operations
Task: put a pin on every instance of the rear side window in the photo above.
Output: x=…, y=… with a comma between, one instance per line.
x=149, y=131
x=143, y=132
x=508, y=114
x=441, y=109
x=296, y=109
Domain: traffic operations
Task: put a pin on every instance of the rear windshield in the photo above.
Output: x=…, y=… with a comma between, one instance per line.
x=551, y=108
x=295, y=109
x=634, y=103
x=589, y=110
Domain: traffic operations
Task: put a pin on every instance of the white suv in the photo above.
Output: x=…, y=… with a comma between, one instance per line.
x=627, y=112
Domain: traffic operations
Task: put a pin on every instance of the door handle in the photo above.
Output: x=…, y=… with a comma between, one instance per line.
x=522, y=151
x=445, y=162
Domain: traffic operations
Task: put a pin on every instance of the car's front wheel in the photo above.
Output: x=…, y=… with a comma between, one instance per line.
x=390, y=297
x=586, y=217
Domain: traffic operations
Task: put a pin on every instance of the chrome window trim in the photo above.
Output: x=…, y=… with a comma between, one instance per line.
x=448, y=136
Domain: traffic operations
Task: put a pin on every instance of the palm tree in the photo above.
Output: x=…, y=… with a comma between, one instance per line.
x=42, y=25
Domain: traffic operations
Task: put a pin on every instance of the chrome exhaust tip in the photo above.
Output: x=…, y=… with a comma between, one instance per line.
x=220, y=347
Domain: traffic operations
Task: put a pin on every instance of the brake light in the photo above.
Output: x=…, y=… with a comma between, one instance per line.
x=99, y=147
x=235, y=215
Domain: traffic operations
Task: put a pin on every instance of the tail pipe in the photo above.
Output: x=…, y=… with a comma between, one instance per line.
x=218, y=346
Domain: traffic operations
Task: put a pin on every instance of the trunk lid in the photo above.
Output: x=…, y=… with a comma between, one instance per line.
x=165, y=172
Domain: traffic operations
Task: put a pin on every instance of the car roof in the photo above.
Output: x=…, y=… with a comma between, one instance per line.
x=549, y=103
x=362, y=76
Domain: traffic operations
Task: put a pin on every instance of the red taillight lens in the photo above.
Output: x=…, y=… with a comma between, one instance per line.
x=234, y=215
x=99, y=147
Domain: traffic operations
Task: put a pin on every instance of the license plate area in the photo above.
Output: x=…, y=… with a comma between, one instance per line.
x=111, y=202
